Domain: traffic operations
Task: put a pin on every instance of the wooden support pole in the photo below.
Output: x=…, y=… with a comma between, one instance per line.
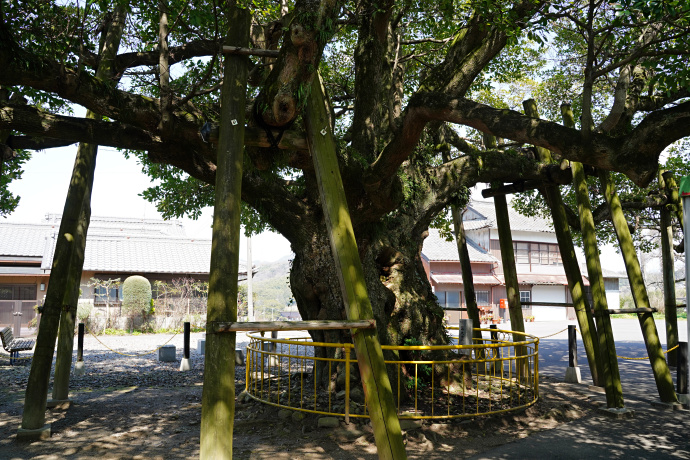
x=585, y=319
x=668, y=273
x=379, y=395
x=662, y=374
x=607, y=347
x=63, y=290
x=465, y=266
x=466, y=272
x=674, y=197
x=218, y=396
x=295, y=325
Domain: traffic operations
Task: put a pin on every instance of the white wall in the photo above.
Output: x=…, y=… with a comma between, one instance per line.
x=548, y=294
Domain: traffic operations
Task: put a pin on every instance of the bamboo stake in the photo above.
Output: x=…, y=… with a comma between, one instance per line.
x=668, y=272
x=607, y=347
x=662, y=374
x=379, y=395
x=218, y=397
x=571, y=267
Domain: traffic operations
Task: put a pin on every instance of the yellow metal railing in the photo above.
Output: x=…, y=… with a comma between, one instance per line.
x=493, y=375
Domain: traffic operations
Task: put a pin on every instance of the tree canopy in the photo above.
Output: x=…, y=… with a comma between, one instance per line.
x=408, y=81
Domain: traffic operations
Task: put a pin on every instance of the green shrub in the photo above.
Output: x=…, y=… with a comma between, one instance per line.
x=84, y=308
x=136, y=295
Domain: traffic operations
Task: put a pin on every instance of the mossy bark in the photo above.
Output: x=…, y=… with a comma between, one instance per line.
x=218, y=397
x=662, y=375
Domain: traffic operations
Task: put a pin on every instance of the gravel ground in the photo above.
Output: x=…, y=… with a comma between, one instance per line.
x=135, y=407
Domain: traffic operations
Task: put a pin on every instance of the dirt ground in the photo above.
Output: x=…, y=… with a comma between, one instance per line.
x=162, y=423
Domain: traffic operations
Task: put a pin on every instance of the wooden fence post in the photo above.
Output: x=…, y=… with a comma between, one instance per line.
x=379, y=395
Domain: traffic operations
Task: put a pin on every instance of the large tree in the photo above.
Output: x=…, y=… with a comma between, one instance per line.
x=401, y=75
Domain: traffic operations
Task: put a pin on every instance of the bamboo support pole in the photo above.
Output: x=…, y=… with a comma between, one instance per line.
x=218, y=396
x=379, y=395
x=662, y=374
x=294, y=325
x=607, y=347
x=583, y=313
x=668, y=273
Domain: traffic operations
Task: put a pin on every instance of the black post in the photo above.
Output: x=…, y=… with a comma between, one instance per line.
x=186, y=340
x=682, y=368
x=572, y=347
x=494, y=333
x=274, y=346
x=80, y=343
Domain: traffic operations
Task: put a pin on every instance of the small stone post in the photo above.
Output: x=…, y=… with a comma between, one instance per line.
x=465, y=335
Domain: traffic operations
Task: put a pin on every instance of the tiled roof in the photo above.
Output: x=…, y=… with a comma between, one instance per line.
x=23, y=240
x=116, y=245
x=437, y=248
x=518, y=222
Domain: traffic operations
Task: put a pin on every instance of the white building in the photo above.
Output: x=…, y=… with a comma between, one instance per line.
x=537, y=259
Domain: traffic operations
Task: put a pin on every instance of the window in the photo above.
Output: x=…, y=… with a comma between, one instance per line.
x=113, y=294
x=525, y=296
x=537, y=253
x=482, y=297
x=448, y=299
x=555, y=255
x=521, y=253
x=18, y=292
x=611, y=284
x=452, y=299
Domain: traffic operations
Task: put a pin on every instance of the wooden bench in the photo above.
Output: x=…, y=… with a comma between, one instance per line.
x=14, y=346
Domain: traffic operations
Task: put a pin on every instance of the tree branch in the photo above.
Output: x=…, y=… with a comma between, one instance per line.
x=635, y=154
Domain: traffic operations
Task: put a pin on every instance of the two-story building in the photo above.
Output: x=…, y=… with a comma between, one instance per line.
x=537, y=260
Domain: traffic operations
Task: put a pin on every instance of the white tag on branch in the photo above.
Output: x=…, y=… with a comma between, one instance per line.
x=234, y=122
x=323, y=132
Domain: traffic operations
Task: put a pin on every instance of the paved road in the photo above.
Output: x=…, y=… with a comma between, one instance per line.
x=652, y=434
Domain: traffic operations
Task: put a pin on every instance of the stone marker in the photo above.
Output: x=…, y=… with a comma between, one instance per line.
x=201, y=346
x=167, y=353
